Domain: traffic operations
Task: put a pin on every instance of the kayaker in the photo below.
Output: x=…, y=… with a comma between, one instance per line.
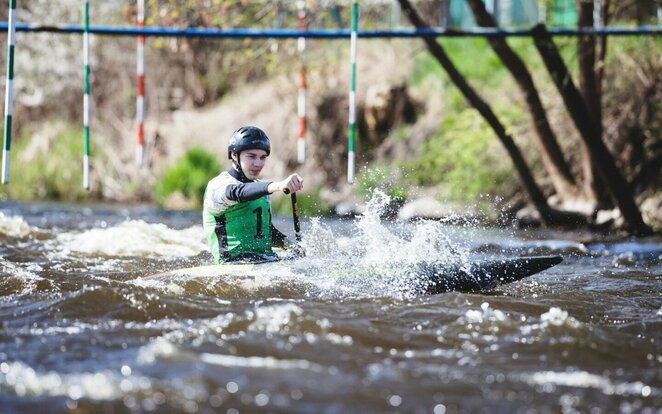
x=237, y=210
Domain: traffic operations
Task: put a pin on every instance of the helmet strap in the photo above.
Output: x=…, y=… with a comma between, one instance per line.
x=236, y=165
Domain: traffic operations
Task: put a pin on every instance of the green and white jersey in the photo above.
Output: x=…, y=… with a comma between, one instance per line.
x=237, y=230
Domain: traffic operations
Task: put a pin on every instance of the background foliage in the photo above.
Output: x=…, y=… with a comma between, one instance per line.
x=451, y=149
x=188, y=176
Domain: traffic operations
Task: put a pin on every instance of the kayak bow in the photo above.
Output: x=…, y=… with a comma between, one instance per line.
x=481, y=276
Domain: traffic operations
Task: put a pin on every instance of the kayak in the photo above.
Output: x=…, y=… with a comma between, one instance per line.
x=480, y=276
x=424, y=278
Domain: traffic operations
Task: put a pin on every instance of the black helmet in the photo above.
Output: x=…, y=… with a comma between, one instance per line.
x=248, y=137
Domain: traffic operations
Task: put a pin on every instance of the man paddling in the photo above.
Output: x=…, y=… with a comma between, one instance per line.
x=237, y=211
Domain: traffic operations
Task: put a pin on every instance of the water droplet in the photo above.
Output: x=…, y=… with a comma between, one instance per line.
x=261, y=400
x=232, y=387
x=395, y=400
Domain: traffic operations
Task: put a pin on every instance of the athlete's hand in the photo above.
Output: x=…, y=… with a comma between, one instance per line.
x=291, y=184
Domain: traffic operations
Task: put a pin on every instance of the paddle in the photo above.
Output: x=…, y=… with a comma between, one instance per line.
x=295, y=215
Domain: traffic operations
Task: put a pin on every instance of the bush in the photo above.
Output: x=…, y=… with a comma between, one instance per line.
x=189, y=176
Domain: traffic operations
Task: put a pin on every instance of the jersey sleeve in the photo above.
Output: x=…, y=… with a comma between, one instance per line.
x=224, y=191
x=215, y=195
x=246, y=191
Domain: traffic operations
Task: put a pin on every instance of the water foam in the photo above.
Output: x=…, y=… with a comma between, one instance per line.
x=558, y=317
x=583, y=379
x=552, y=319
x=273, y=319
x=26, y=277
x=135, y=238
x=106, y=385
x=156, y=349
x=485, y=314
x=263, y=363
x=14, y=226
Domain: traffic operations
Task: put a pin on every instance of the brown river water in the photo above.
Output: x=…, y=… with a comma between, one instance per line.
x=81, y=332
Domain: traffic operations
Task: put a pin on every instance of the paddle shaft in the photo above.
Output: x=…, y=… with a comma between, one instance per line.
x=295, y=215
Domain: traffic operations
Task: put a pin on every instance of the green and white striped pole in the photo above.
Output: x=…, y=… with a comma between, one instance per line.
x=9, y=90
x=86, y=94
x=352, y=94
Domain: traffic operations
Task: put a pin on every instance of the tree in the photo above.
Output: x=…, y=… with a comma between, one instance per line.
x=555, y=164
x=548, y=215
x=590, y=86
x=618, y=187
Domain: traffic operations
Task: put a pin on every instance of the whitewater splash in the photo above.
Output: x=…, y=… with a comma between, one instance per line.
x=373, y=258
x=373, y=242
x=135, y=238
x=368, y=258
x=13, y=226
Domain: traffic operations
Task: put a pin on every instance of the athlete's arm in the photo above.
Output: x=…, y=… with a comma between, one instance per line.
x=246, y=191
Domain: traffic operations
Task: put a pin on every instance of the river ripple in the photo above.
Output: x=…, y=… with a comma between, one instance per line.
x=81, y=332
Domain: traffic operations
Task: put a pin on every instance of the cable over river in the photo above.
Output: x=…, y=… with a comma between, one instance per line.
x=82, y=331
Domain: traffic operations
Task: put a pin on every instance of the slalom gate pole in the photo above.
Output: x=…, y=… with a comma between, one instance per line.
x=140, y=74
x=301, y=101
x=86, y=94
x=9, y=90
x=352, y=94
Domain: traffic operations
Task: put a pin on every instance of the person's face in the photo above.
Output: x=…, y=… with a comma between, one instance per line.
x=252, y=161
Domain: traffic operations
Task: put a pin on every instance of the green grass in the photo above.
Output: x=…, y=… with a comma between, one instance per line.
x=50, y=169
x=463, y=158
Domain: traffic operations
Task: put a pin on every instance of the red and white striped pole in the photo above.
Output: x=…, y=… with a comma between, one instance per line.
x=301, y=101
x=140, y=73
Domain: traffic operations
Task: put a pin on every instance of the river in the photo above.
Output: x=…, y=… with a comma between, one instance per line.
x=83, y=333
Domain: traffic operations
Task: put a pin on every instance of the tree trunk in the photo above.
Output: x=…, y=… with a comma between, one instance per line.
x=618, y=187
x=548, y=215
x=589, y=88
x=602, y=51
x=552, y=156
